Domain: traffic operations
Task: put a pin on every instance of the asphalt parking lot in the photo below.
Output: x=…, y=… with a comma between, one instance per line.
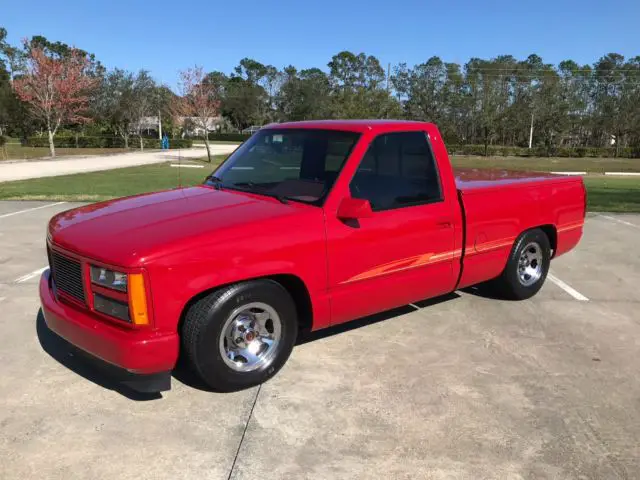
x=461, y=387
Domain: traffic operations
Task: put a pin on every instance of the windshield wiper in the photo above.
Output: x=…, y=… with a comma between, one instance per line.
x=217, y=181
x=280, y=198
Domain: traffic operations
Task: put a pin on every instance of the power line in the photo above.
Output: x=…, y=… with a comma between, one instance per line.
x=583, y=70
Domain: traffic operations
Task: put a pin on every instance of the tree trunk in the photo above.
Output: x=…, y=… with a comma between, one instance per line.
x=141, y=143
x=52, y=148
x=206, y=143
x=126, y=141
x=486, y=141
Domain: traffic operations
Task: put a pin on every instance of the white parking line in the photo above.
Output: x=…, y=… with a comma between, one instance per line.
x=571, y=291
x=30, y=275
x=30, y=209
x=617, y=220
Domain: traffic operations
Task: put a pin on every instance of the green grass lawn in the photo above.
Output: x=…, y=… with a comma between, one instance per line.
x=550, y=164
x=613, y=194
x=95, y=186
x=18, y=152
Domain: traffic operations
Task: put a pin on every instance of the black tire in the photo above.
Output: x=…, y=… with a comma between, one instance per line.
x=204, y=322
x=508, y=284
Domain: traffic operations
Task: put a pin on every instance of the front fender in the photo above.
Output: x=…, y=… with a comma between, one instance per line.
x=257, y=251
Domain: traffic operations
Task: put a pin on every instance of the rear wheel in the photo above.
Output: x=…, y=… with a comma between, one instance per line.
x=241, y=335
x=527, y=267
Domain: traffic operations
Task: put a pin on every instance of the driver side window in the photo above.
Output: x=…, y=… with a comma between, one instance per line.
x=397, y=171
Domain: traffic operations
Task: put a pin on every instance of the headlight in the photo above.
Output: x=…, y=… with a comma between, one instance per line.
x=112, y=307
x=109, y=278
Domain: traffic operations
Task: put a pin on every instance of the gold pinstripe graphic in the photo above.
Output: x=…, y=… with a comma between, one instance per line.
x=431, y=258
x=571, y=226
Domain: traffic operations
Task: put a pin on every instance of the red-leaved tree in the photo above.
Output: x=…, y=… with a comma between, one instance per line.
x=199, y=101
x=56, y=89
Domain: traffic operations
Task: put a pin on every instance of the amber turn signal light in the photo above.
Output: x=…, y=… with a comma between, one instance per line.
x=138, y=300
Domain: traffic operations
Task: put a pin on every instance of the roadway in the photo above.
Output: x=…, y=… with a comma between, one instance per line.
x=22, y=170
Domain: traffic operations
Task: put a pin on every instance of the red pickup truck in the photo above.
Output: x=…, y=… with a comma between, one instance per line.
x=306, y=225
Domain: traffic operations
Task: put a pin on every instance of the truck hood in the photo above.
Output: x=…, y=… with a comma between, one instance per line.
x=132, y=231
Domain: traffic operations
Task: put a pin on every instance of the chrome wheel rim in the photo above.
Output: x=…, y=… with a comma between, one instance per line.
x=250, y=337
x=530, y=264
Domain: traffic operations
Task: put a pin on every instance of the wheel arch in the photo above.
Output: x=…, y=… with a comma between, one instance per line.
x=291, y=283
x=552, y=234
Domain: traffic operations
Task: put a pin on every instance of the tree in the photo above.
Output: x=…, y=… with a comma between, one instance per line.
x=12, y=59
x=165, y=101
x=143, y=102
x=425, y=90
x=198, y=101
x=304, y=96
x=114, y=101
x=12, y=115
x=243, y=102
x=60, y=50
x=616, y=97
x=56, y=89
x=248, y=102
x=358, y=87
x=7, y=100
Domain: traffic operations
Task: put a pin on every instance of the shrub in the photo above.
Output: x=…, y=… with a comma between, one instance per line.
x=566, y=152
x=3, y=140
x=581, y=152
x=229, y=137
x=543, y=151
x=180, y=143
x=63, y=141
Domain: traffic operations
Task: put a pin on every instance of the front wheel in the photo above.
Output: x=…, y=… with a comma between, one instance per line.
x=241, y=335
x=527, y=267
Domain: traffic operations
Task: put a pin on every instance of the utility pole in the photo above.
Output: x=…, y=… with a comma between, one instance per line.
x=388, y=77
x=388, y=85
x=531, y=133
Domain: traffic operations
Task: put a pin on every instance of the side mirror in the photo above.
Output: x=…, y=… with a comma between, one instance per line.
x=354, y=208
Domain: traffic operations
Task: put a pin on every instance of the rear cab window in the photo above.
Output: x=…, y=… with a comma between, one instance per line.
x=398, y=170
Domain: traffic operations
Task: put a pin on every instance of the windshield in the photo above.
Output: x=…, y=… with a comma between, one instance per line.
x=289, y=164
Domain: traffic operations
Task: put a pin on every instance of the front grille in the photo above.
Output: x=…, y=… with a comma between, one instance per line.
x=67, y=275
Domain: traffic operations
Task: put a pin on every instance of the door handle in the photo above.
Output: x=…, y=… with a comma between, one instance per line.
x=444, y=224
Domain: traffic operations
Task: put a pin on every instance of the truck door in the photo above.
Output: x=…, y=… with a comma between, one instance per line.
x=402, y=250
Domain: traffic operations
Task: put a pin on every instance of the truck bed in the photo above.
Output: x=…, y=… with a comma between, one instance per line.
x=499, y=204
x=470, y=179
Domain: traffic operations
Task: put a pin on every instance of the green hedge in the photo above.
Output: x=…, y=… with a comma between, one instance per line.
x=229, y=137
x=3, y=140
x=103, y=142
x=504, y=151
x=180, y=143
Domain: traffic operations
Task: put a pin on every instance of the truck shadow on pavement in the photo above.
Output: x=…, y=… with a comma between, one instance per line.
x=483, y=291
x=72, y=358
x=185, y=376
x=69, y=356
x=306, y=337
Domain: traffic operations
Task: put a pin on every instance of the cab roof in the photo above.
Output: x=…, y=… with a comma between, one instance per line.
x=353, y=125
